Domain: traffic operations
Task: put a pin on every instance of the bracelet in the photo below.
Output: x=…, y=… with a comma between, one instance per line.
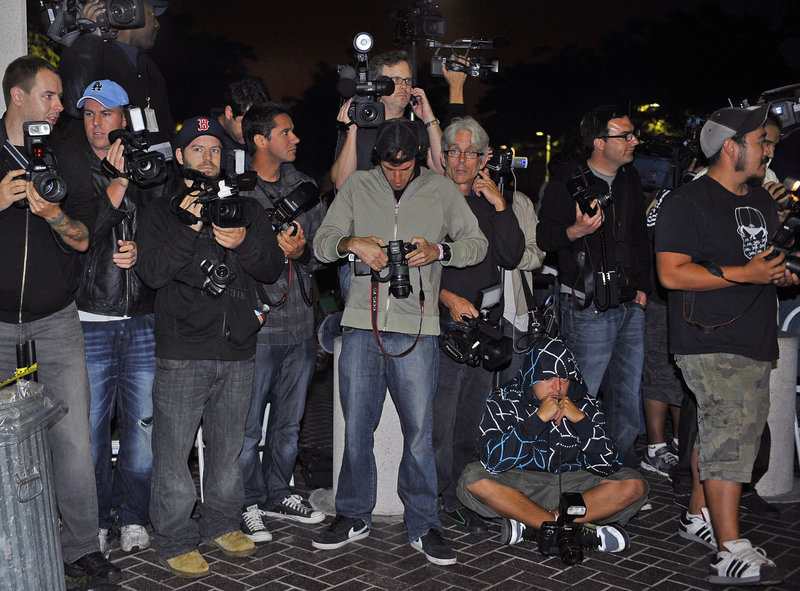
x=344, y=127
x=432, y=122
x=441, y=251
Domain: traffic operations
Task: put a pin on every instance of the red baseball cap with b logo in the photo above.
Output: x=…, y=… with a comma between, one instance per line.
x=194, y=127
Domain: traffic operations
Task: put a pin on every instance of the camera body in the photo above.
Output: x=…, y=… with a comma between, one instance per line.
x=473, y=66
x=784, y=238
x=398, y=275
x=220, y=201
x=481, y=340
x=365, y=110
x=218, y=277
x=63, y=22
x=286, y=209
x=142, y=167
x=565, y=538
x=38, y=161
x=585, y=187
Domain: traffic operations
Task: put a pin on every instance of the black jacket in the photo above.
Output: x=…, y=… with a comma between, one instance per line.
x=190, y=323
x=104, y=287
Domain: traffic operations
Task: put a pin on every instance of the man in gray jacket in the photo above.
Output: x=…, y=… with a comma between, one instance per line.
x=389, y=338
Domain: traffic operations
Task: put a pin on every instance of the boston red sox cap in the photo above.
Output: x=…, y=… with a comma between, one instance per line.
x=194, y=127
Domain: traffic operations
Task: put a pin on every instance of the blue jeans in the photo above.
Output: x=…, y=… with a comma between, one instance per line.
x=62, y=369
x=282, y=375
x=120, y=356
x=364, y=373
x=184, y=391
x=609, y=349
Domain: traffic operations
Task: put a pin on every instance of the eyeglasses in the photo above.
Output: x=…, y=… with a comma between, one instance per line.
x=628, y=137
x=398, y=80
x=468, y=154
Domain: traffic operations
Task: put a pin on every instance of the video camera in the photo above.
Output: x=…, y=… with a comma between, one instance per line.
x=481, y=340
x=473, y=66
x=365, y=110
x=398, y=275
x=142, y=167
x=662, y=160
x=63, y=21
x=785, y=104
x=221, y=203
x=37, y=160
x=417, y=21
x=585, y=187
x=286, y=209
x=565, y=538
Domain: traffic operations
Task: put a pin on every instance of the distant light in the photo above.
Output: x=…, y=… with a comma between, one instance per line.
x=540, y=133
x=648, y=107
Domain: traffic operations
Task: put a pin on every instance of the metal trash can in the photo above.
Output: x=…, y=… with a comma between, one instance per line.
x=30, y=545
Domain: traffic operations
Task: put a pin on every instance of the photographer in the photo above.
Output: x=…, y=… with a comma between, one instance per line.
x=38, y=250
x=390, y=339
x=207, y=316
x=604, y=267
x=712, y=249
x=462, y=389
x=286, y=349
x=124, y=60
x=355, y=144
x=540, y=434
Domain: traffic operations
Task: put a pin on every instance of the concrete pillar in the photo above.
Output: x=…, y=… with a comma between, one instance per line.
x=782, y=400
x=13, y=36
x=388, y=447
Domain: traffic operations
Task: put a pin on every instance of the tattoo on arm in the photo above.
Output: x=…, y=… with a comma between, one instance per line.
x=69, y=229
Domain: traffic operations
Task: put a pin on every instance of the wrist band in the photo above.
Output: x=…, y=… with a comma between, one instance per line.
x=716, y=271
x=432, y=122
x=441, y=251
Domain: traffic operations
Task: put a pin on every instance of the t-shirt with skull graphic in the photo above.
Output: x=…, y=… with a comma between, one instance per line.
x=709, y=223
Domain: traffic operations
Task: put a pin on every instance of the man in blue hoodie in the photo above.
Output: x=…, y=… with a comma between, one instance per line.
x=542, y=433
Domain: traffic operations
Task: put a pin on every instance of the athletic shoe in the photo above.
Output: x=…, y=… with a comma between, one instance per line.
x=698, y=528
x=660, y=462
x=753, y=502
x=189, y=566
x=133, y=538
x=742, y=564
x=673, y=448
x=293, y=507
x=235, y=544
x=340, y=532
x=467, y=520
x=514, y=532
x=605, y=538
x=105, y=543
x=253, y=525
x=435, y=548
x=95, y=568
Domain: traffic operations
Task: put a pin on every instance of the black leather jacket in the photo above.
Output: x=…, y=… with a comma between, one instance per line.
x=105, y=288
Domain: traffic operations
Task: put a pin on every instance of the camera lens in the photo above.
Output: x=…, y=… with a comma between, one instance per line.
x=369, y=113
x=49, y=186
x=123, y=12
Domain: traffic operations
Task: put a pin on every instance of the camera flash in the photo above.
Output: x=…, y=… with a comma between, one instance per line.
x=363, y=42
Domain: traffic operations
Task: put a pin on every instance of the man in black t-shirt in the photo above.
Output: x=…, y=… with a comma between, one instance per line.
x=712, y=250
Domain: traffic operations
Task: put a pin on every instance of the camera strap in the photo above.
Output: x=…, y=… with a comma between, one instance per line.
x=374, y=295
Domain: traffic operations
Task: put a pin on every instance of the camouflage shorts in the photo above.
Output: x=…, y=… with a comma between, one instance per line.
x=732, y=394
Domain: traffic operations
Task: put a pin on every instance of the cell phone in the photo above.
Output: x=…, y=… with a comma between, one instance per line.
x=414, y=100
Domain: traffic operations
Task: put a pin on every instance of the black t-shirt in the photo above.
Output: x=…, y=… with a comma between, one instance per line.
x=706, y=221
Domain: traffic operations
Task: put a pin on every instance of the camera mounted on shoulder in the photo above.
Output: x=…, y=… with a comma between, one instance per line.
x=64, y=24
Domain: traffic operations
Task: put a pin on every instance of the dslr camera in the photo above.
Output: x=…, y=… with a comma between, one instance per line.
x=221, y=203
x=481, y=341
x=784, y=239
x=142, y=167
x=38, y=161
x=565, y=538
x=365, y=110
x=63, y=22
x=286, y=209
x=398, y=275
x=585, y=187
x=218, y=277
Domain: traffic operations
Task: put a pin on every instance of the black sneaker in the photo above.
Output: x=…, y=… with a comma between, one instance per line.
x=95, y=568
x=253, y=525
x=341, y=531
x=467, y=520
x=435, y=548
x=293, y=507
x=753, y=502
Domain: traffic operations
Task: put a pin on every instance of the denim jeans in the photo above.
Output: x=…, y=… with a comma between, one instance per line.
x=184, y=391
x=609, y=349
x=120, y=356
x=282, y=375
x=364, y=373
x=457, y=411
x=62, y=370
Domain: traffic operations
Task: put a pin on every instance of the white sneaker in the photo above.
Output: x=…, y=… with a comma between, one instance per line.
x=105, y=546
x=253, y=525
x=742, y=564
x=698, y=528
x=133, y=538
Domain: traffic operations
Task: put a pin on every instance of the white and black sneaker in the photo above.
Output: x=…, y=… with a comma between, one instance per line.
x=435, y=548
x=253, y=525
x=340, y=532
x=513, y=532
x=742, y=564
x=661, y=462
x=698, y=528
x=293, y=507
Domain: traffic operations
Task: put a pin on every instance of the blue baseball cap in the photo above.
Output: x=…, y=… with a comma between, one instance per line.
x=106, y=92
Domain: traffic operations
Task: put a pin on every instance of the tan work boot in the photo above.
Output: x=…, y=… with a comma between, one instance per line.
x=235, y=544
x=189, y=566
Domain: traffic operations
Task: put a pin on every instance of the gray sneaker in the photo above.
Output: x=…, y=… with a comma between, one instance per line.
x=661, y=462
x=133, y=538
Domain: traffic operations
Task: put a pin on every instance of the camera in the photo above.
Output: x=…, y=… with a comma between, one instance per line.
x=481, y=340
x=38, y=161
x=63, y=21
x=365, y=110
x=784, y=237
x=142, y=167
x=221, y=203
x=417, y=21
x=286, y=209
x=398, y=275
x=218, y=277
x=661, y=160
x=585, y=187
x=565, y=538
x=473, y=66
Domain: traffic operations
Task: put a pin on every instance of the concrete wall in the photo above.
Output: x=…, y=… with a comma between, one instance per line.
x=13, y=35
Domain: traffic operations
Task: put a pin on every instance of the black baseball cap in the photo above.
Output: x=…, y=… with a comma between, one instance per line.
x=397, y=141
x=194, y=127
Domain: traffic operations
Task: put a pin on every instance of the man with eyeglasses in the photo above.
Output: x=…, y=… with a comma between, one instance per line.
x=510, y=228
x=604, y=267
x=355, y=144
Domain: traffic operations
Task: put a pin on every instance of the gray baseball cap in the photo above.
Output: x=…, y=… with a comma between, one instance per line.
x=726, y=123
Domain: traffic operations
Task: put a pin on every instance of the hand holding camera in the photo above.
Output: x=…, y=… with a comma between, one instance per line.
x=12, y=188
x=585, y=223
x=292, y=241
